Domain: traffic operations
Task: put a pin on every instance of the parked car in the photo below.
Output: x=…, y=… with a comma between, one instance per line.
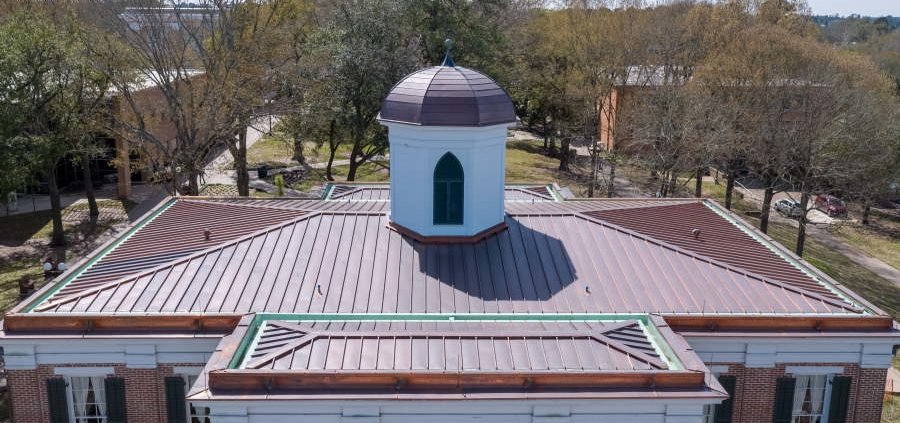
x=831, y=205
x=789, y=208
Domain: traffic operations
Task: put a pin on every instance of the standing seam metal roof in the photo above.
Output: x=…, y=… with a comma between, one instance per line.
x=352, y=262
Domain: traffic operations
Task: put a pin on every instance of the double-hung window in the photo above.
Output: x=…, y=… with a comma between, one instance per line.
x=808, y=395
x=809, y=399
x=87, y=399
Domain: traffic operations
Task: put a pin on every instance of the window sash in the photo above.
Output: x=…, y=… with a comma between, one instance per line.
x=87, y=399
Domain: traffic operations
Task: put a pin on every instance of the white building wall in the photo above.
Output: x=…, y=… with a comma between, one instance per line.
x=483, y=411
x=415, y=150
x=763, y=351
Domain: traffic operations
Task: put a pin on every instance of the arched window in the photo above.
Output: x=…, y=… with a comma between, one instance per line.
x=448, y=191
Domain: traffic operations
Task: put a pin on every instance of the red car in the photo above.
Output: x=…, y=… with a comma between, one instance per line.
x=831, y=205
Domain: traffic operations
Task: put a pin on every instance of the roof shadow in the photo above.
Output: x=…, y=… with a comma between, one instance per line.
x=519, y=263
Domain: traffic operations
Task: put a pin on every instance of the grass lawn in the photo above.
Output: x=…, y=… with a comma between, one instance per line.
x=526, y=163
x=879, y=239
x=277, y=149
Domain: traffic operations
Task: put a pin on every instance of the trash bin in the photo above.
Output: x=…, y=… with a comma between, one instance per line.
x=262, y=172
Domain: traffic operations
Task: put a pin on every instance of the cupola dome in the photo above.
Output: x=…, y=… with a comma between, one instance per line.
x=447, y=133
x=447, y=95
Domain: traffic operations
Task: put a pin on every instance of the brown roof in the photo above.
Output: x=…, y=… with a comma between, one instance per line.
x=176, y=233
x=447, y=96
x=545, y=262
x=444, y=346
x=448, y=359
x=717, y=238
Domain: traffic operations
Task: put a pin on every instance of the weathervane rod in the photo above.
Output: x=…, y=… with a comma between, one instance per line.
x=448, y=53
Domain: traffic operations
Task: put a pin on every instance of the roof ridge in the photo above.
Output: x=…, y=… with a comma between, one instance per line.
x=125, y=279
x=728, y=267
x=240, y=204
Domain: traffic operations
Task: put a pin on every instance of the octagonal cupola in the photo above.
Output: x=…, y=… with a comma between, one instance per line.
x=447, y=132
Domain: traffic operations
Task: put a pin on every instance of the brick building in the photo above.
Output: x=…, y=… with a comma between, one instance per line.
x=445, y=296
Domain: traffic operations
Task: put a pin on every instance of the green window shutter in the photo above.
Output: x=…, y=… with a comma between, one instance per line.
x=175, y=400
x=115, y=399
x=784, y=400
x=840, y=399
x=57, y=396
x=724, y=410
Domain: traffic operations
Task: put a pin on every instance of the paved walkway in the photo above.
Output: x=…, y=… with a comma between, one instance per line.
x=218, y=170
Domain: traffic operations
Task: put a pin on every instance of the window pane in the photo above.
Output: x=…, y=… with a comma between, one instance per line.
x=809, y=398
x=88, y=396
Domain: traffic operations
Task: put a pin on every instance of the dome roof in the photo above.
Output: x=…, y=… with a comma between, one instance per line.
x=447, y=96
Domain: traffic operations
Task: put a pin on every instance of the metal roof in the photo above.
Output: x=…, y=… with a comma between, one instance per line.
x=715, y=237
x=447, y=96
x=452, y=346
x=340, y=259
x=176, y=233
x=296, y=356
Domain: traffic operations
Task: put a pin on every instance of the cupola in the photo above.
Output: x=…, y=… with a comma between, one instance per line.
x=447, y=132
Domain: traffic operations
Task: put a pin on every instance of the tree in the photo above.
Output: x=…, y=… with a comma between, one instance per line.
x=365, y=45
x=51, y=93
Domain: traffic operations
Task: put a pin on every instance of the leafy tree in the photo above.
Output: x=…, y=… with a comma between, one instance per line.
x=51, y=94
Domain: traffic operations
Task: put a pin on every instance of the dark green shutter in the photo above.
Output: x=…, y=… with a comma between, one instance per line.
x=724, y=410
x=56, y=394
x=175, y=399
x=115, y=399
x=784, y=400
x=840, y=399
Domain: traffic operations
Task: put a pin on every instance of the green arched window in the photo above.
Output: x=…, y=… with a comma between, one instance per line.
x=448, y=191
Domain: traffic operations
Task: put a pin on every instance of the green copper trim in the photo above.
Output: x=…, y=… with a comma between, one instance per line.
x=81, y=269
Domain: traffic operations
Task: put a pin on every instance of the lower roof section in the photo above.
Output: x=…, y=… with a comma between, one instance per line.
x=274, y=356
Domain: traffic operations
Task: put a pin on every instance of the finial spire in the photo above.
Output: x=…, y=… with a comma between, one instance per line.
x=448, y=56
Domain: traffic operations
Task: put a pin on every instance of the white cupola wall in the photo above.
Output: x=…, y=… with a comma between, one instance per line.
x=424, y=202
x=447, y=132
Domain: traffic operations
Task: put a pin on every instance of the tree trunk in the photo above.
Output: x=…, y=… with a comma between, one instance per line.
x=332, y=150
x=594, y=166
x=801, y=230
x=58, y=238
x=611, y=185
x=729, y=188
x=698, y=184
x=673, y=183
x=766, y=207
x=298, y=149
x=867, y=210
x=564, y=154
x=194, y=182
x=240, y=164
x=89, y=188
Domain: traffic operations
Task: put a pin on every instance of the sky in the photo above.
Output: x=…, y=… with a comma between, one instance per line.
x=861, y=7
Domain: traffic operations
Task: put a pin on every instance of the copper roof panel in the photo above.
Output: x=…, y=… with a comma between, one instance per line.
x=488, y=346
x=337, y=262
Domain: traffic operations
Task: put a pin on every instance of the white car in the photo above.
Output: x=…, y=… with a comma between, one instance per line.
x=789, y=208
